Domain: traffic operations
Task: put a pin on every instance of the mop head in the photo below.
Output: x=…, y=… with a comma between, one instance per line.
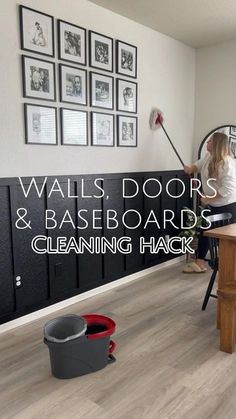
x=156, y=119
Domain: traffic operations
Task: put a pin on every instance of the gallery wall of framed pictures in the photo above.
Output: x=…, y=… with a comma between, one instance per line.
x=98, y=96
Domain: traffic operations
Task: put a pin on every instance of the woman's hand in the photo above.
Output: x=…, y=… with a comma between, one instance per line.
x=208, y=200
x=188, y=169
x=204, y=201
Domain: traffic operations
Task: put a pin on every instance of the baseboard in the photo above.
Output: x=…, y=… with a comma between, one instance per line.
x=73, y=300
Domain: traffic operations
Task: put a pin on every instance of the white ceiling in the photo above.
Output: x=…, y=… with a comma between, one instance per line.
x=197, y=23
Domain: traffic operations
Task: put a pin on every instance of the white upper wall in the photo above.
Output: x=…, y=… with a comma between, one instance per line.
x=215, y=89
x=166, y=79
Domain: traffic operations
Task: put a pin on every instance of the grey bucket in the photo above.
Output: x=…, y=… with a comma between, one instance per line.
x=64, y=328
x=72, y=353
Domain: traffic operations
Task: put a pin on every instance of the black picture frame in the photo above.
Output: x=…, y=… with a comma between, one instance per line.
x=82, y=32
x=62, y=126
x=127, y=119
x=38, y=49
x=130, y=50
x=103, y=140
x=77, y=73
x=125, y=103
x=107, y=41
x=104, y=80
x=26, y=82
x=26, y=123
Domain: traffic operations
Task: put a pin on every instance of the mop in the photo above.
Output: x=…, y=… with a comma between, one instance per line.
x=155, y=122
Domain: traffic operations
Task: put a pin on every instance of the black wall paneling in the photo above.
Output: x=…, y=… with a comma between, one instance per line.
x=152, y=203
x=114, y=264
x=7, y=293
x=135, y=202
x=44, y=279
x=63, y=272
x=170, y=205
x=90, y=265
x=185, y=200
x=32, y=268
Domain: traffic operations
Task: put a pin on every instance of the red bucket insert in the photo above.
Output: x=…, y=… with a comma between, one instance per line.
x=99, y=326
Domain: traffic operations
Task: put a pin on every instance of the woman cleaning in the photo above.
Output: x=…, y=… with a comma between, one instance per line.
x=219, y=165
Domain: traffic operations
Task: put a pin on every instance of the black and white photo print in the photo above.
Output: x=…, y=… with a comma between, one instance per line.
x=100, y=51
x=126, y=59
x=71, y=42
x=101, y=91
x=102, y=129
x=127, y=131
x=37, y=31
x=126, y=96
x=40, y=124
x=73, y=85
x=74, y=127
x=38, y=78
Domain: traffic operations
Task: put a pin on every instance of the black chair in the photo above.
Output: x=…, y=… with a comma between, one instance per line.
x=217, y=220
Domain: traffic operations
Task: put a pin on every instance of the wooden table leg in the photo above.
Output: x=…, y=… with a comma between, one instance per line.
x=218, y=314
x=226, y=308
x=227, y=326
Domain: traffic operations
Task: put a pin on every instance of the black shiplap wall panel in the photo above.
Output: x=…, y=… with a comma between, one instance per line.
x=154, y=205
x=114, y=264
x=90, y=265
x=7, y=297
x=184, y=200
x=32, y=267
x=48, y=279
x=134, y=259
x=169, y=203
x=62, y=267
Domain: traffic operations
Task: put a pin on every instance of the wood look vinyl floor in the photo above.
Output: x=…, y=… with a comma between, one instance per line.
x=168, y=362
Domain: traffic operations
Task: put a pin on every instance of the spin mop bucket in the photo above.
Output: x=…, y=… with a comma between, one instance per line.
x=81, y=349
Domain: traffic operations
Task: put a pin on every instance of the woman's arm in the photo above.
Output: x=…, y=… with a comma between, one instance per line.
x=227, y=179
x=196, y=166
x=190, y=169
x=210, y=200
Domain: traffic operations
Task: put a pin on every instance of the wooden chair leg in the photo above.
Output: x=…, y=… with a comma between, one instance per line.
x=227, y=326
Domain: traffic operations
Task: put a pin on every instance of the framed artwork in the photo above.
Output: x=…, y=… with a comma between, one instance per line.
x=232, y=141
x=37, y=31
x=74, y=127
x=40, y=124
x=73, y=85
x=126, y=59
x=102, y=129
x=71, y=43
x=126, y=96
x=233, y=130
x=38, y=78
x=127, y=131
x=100, y=51
x=101, y=91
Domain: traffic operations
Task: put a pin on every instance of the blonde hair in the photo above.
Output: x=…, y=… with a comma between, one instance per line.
x=220, y=151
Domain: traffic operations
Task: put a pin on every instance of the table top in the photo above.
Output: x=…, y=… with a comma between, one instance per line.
x=227, y=232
